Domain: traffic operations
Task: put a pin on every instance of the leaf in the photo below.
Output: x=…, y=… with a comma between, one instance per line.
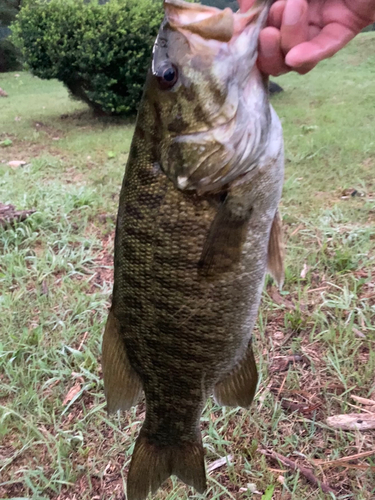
x=16, y=163
x=73, y=392
x=6, y=142
x=219, y=463
x=304, y=271
x=358, y=333
x=269, y=492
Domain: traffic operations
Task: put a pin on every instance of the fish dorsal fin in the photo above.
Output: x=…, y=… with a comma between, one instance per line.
x=276, y=251
x=238, y=388
x=207, y=22
x=122, y=386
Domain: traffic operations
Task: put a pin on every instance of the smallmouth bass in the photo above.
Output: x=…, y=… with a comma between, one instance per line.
x=197, y=226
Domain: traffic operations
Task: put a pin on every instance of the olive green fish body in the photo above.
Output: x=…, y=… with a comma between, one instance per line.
x=191, y=254
x=182, y=331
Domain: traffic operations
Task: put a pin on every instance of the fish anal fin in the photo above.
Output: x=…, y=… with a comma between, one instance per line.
x=122, y=386
x=223, y=246
x=151, y=465
x=238, y=387
x=276, y=251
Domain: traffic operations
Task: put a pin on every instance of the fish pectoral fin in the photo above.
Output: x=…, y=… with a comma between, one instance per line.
x=151, y=465
x=122, y=386
x=223, y=246
x=276, y=251
x=238, y=388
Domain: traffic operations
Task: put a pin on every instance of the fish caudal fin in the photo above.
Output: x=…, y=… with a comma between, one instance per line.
x=151, y=465
x=238, y=388
x=122, y=386
x=276, y=251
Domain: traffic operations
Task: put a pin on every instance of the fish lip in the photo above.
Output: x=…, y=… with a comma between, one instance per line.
x=235, y=22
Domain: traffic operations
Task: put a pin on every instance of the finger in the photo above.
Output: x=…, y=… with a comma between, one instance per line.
x=276, y=14
x=271, y=58
x=245, y=5
x=313, y=31
x=294, y=26
x=330, y=40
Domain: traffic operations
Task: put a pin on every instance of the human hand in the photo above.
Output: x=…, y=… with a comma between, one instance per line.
x=300, y=33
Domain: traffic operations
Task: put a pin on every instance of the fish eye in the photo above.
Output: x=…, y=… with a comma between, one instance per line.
x=167, y=75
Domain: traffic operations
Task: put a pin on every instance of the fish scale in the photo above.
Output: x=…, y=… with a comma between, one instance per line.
x=190, y=263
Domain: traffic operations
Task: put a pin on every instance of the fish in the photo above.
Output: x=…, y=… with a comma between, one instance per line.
x=198, y=227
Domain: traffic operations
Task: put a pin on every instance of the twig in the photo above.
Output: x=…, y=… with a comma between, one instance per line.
x=297, y=229
x=282, y=386
x=364, y=401
x=317, y=289
x=356, y=407
x=83, y=340
x=343, y=460
x=294, y=466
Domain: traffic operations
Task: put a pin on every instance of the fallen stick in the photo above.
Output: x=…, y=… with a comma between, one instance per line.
x=352, y=421
x=364, y=401
x=343, y=461
x=303, y=470
x=9, y=215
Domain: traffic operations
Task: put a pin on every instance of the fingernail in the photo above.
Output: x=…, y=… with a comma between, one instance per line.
x=293, y=13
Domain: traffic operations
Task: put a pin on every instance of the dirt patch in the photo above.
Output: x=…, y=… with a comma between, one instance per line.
x=26, y=151
x=103, y=265
x=52, y=133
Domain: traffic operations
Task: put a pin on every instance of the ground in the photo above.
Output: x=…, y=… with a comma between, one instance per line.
x=314, y=340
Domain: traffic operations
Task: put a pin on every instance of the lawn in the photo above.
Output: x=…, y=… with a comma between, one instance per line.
x=315, y=340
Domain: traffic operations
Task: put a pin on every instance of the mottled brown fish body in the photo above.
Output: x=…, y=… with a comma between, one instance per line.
x=189, y=271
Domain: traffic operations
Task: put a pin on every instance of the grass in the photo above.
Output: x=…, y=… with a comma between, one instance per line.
x=56, y=441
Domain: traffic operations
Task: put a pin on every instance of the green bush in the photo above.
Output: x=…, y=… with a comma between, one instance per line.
x=9, y=56
x=100, y=52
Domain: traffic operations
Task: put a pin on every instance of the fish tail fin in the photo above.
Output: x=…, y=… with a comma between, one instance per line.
x=152, y=464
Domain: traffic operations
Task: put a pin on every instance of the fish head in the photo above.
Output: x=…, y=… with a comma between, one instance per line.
x=207, y=91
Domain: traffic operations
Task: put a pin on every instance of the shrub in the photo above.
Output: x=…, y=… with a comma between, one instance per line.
x=100, y=52
x=9, y=56
x=8, y=53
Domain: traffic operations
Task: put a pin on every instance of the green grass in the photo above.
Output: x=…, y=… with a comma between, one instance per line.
x=55, y=282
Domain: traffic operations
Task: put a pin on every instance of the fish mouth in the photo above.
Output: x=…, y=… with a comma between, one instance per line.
x=212, y=23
